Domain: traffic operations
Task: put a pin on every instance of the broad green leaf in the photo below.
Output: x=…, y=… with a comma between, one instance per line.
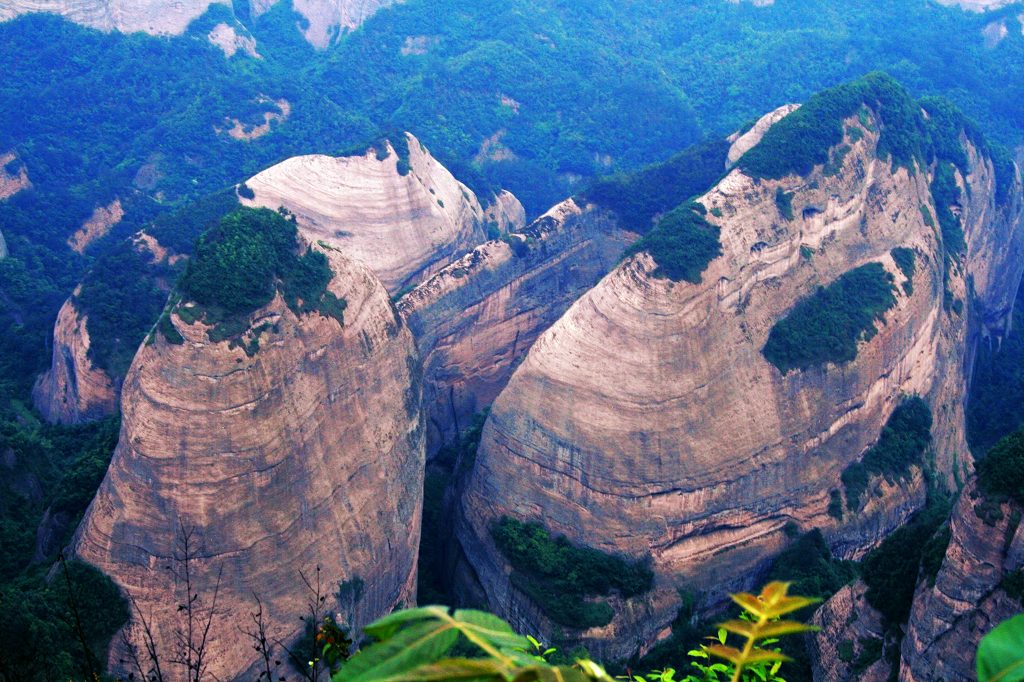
x=453, y=669
x=421, y=644
x=385, y=627
x=490, y=628
x=1001, y=653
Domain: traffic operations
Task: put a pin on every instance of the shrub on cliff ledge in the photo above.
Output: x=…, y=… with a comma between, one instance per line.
x=559, y=576
x=1001, y=471
x=802, y=140
x=682, y=244
x=827, y=326
x=240, y=265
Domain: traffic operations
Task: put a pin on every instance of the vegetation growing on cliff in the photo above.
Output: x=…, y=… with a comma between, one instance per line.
x=682, y=244
x=1001, y=470
x=902, y=444
x=640, y=196
x=827, y=326
x=562, y=578
x=240, y=265
x=802, y=140
x=893, y=569
x=905, y=261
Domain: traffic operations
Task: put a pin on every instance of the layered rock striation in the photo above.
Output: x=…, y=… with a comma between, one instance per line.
x=404, y=215
x=647, y=421
x=476, y=319
x=967, y=598
x=305, y=453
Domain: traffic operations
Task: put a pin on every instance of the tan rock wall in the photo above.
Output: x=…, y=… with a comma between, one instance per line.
x=169, y=17
x=405, y=227
x=646, y=419
x=309, y=453
x=476, y=319
x=72, y=391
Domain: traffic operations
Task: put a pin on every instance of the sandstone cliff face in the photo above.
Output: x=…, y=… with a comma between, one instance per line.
x=308, y=453
x=167, y=17
x=848, y=627
x=744, y=142
x=476, y=319
x=99, y=224
x=73, y=391
x=950, y=617
x=403, y=226
x=328, y=19
x=646, y=420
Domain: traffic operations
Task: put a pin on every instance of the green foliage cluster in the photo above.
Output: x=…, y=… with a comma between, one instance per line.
x=902, y=443
x=640, y=196
x=43, y=627
x=784, y=202
x=682, y=244
x=809, y=566
x=240, y=264
x=905, y=261
x=946, y=194
x=1001, y=470
x=559, y=576
x=827, y=326
x=802, y=140
x=435, y=643
x=892, y=570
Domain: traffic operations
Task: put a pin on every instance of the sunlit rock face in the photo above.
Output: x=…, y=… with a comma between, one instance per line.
x=646, y=421
x=476, y=319
x=325, y=20
x=307, y=453
x=403, y=221
x=159, y=17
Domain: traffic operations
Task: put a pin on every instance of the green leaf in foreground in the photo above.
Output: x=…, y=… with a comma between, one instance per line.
x=1001, y=653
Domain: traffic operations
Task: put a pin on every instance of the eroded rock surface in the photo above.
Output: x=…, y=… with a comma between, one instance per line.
x=307, y=453
x=73, y=391
x=328, y=19
x=99, y=224
x=647, y=421
x=13, y=176
x=966, y=601
x=404, y=226
x=476, y=319
x=850, y=642
x=168, y=17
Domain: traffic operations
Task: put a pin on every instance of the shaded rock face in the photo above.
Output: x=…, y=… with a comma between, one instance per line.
x=73, y=391
x=309, y=453
x=949, y=618
x=159, y=17
x=647, y=421
x=476, y=319
x=849, y=627
x=404, y=227
x=3, y=246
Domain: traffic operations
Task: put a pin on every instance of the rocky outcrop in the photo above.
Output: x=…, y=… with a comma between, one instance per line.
x=13, y=176
x=73, y=391
x=849, y=644
x=3, y=246
x=966, y=600
x=166, y=17
x=99, y=224
x=307, y=453
x=231, y=42
x=745, y=141
x=328, y=19
x=476, y=319
x=404, y=215
x=647, y=421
